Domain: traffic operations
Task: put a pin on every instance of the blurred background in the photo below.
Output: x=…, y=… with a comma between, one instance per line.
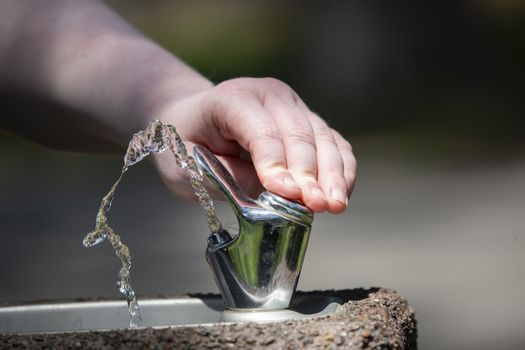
x=430, y=94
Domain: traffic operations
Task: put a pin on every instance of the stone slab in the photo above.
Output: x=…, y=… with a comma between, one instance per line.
x=373, y=318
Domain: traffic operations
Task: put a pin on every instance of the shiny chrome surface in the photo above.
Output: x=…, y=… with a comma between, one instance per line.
x=260, y=267
x=106, y=315
x=308, y=308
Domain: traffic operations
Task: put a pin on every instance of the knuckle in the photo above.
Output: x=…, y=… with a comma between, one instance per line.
x=268, y=133
x=325, y=136
x=319, y=121
x=232, y=88
x=302, y=135
x=275, y=84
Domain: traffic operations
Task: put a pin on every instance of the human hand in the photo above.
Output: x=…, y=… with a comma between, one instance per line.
x=294, y=153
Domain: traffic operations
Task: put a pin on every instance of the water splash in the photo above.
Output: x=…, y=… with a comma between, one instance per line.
x=157, y=138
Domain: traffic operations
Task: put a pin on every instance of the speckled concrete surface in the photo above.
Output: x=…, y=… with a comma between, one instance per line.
x=369, y=319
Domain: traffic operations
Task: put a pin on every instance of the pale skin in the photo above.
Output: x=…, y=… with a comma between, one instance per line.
x=81, y=54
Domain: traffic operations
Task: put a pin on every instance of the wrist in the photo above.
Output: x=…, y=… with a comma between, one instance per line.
x=171, y=88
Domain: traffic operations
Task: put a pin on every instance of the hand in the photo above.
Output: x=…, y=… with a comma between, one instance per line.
x=294, y=153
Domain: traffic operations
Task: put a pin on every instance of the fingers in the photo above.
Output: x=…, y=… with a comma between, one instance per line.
x=294, y=152
x=243, y=118
x=349, y=161
x=300, y=148
x=330, y=166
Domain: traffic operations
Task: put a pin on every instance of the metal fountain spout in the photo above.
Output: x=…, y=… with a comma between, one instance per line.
x=260, y=267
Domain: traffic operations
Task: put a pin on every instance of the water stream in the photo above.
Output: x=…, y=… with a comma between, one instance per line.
x=157, y=138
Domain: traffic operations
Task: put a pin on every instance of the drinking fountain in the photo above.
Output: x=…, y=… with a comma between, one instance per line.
x=256, y=271
x=258, y=268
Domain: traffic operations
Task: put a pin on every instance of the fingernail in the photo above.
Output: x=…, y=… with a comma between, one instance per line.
x=290, y=182
x=339, y=195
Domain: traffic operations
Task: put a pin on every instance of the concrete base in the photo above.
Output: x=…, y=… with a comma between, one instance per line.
x=369, y=319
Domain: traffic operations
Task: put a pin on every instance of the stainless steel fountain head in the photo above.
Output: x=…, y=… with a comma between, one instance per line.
x=260, y=267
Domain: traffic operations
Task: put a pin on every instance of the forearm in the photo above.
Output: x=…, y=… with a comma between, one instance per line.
x=80, y=54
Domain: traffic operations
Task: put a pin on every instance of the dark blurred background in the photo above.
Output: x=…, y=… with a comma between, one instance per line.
x=430, y=94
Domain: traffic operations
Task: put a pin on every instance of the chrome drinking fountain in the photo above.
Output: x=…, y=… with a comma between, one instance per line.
x=257, y=273
x=259, y=268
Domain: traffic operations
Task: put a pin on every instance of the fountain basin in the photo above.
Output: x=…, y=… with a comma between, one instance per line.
x=165, y=312
x=364, y=318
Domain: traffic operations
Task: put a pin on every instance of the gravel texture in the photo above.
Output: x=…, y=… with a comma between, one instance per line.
x=369, y=319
